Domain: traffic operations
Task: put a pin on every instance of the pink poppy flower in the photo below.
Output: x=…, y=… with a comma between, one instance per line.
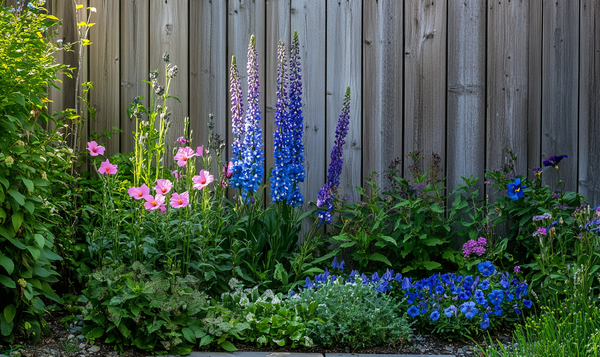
x=163, y=186
x=95, y=149
x=154, y=203
x=202, y=180
x=180, y=201
x=183, y=155
x=107, y=168
x=200, y=150
x=139, y=192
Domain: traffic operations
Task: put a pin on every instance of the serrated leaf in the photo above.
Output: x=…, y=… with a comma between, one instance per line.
x=189, y=335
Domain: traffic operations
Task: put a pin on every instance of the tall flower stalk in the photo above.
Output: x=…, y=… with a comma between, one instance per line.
x=237, y=119
x=327, y=192
x=296, y=120
x=252, y=169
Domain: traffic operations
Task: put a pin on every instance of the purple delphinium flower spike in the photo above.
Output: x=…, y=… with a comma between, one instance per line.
x=252, y=154
x=297, y=172
x=281, y=183
x=326, y=193
x=237, y=124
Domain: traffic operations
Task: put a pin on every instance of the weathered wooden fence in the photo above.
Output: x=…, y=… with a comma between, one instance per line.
x=460, y=78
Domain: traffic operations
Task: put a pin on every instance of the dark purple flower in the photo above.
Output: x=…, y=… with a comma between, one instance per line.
x=554, y=160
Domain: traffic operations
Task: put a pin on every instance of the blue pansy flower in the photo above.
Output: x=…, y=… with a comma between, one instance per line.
x=439, y=289
x=450, y=311
x=496, y=297
x=528, y=303
x=434, y=315
x=498, y=311
x=484, y=285
x=554, y=160
x=486, y=268
x=509, y=295
x=515, y=190
x=486, y=321
x=468, y=308
x=413, y=311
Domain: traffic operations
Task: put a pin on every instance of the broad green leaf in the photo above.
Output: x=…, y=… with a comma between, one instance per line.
x=17, y=196
x=16, y=242
x=39, y=239
x=380, y=258
x=429, y=265
x=347, y=245
x=228, y=346
x=96, y=332
x=206, y=340
x=389, y=240
x=35, y=252
x=189, y=335
x=432, y=241
x=29, y=207
x=7, y=263
x=8, y=282
x=5, y=328
x=17, y=220
x=28, y=183
x=9, y=313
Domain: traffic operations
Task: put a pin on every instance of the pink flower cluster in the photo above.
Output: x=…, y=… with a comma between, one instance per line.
x=106, y=168
x=157, y=202
x=474, y=246
x=186, y=153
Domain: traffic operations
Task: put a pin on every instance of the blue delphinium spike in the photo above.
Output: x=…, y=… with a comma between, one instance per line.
x=237, y=124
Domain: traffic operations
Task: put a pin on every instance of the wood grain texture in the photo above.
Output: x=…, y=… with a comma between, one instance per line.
x=466, y=92
x=278, y=28
x=507, y=83
x=534, y=112
x=560, y=90
x=104, y=73
x=308, y=18
x=382, y=78
x=169, y=33
x=589, y=102
x=208, y=70
x=135, y=57
x=344, y=64
x=425, y=78
x=246, y=18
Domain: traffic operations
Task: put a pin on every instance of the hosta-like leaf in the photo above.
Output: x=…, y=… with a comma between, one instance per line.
x=10, y=312
x=7, y=263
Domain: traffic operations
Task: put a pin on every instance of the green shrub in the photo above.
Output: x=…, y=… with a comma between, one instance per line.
x=153, y=311
x=353, y=314
x=32, y=164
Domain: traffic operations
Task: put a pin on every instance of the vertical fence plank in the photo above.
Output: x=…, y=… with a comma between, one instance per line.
x=10, y=3
x=308, y=18
x=560, y=90
x=208, y=70
x=104, y=72
x=534, y=112
x=246, y=18
x=507, y=73
x=67, y=33
x=466, y=92
x=278, y=28
x=382, y=80
x=169, y=33
x=135, y=47
x=589, y=102
x=425, y=78
x=344, y=65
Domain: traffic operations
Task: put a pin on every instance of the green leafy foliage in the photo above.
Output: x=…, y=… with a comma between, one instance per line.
x=351, y=314
x=33, y=166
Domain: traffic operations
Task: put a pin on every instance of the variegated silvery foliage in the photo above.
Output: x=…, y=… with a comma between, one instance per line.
x=353, y=314
x=270, y=320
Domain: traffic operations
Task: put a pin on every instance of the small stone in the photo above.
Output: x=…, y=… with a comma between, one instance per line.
x=76, y=328
x=449, y=349
x=82, y=345
x=81, y=337
x=80, y=323
x=93, y=349
x=79, y=317
x=70, y=336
